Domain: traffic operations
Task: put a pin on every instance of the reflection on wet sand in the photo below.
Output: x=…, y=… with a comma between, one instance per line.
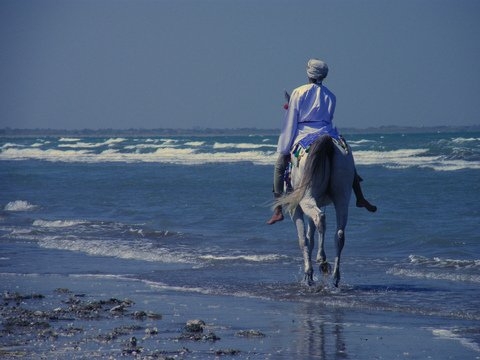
x=321, y=337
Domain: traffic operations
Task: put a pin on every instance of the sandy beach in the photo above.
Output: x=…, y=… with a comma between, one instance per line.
x=76, y=317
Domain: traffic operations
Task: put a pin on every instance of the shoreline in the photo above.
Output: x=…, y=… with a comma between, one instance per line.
x=101, y=317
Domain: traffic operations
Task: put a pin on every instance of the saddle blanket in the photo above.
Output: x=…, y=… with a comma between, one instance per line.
x=308, y=140
x=303, y=146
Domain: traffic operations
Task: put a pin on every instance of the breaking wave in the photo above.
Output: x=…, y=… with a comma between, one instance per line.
x=436, y=268
x=445, y=263
x=444, y=154
x=19, y=205
x=128, y=250
x=456, y=335
x=128, y=241
x=58, y=223
x=251, y=258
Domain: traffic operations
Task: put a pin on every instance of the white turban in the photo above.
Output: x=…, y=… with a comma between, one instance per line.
x=317, y=69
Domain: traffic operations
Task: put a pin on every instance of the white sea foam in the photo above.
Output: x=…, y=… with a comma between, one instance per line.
x=63, y=139
x=48, y=155
x=444, y=262
x=148, y=146
x=104, y=276
x=11, y=145
x=139, y=250
x=19, y=205
x=464, y=140
x=169, y=141
x=452, y=335
x=114, y=141
x=434, y=275
x=191, y=156
x=161, y=286
x=194, y=143
x=22, y=275
x=57, y=223
x=252, y=258
x=361, y=142
x=186, y=156
x=436, y=268
x=81, y=145
x=19, y=232
x=196, y=152
x=453, y=165
x=241, y=146
x=407, y=157
x=109, y=142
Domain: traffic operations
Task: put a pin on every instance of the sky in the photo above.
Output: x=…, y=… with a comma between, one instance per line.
x=193, y=64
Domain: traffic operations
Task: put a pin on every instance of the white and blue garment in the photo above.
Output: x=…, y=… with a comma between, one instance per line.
x=310, y=109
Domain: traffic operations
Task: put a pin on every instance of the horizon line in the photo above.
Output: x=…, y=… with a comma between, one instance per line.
x=206, y=130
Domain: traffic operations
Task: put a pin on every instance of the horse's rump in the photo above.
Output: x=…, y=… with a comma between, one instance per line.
x=315, y=166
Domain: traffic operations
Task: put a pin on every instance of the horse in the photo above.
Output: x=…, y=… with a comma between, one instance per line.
x=323, y=176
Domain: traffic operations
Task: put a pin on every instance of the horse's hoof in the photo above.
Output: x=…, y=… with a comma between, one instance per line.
x=308, y=282
x=308, y=278
x=325, y=268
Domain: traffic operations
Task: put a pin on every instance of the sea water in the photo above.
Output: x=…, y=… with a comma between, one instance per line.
x=187, y=214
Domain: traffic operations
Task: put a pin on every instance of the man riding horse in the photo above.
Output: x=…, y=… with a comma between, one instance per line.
x=310, y=110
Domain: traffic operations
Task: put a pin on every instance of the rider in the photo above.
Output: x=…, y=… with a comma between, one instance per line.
x=310, y=109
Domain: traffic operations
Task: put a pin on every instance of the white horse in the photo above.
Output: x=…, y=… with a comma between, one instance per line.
x=323, y=177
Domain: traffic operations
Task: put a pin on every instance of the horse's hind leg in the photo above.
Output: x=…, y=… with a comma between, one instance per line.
x=339, y=244
x=321, y=256
x=311, y=228
x=309, y=206
x=305, y=241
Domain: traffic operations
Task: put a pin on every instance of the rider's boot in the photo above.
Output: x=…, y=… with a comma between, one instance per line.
x=277, y=213
x=361, y=201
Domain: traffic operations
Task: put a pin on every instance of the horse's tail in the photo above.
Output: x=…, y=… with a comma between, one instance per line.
x=316, y=165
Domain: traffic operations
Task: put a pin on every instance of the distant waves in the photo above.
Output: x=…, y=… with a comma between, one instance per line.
x=438, y=153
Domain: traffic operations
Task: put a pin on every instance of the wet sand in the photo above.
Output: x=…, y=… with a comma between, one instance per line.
x=76, y=317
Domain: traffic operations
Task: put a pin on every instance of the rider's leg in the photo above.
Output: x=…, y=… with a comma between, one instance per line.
x=361, y=201
x=357, y=189
x=278, y=173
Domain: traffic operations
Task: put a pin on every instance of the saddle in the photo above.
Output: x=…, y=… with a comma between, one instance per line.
x=302, y=147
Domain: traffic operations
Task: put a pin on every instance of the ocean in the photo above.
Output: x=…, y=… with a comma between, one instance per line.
x=185, y=215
